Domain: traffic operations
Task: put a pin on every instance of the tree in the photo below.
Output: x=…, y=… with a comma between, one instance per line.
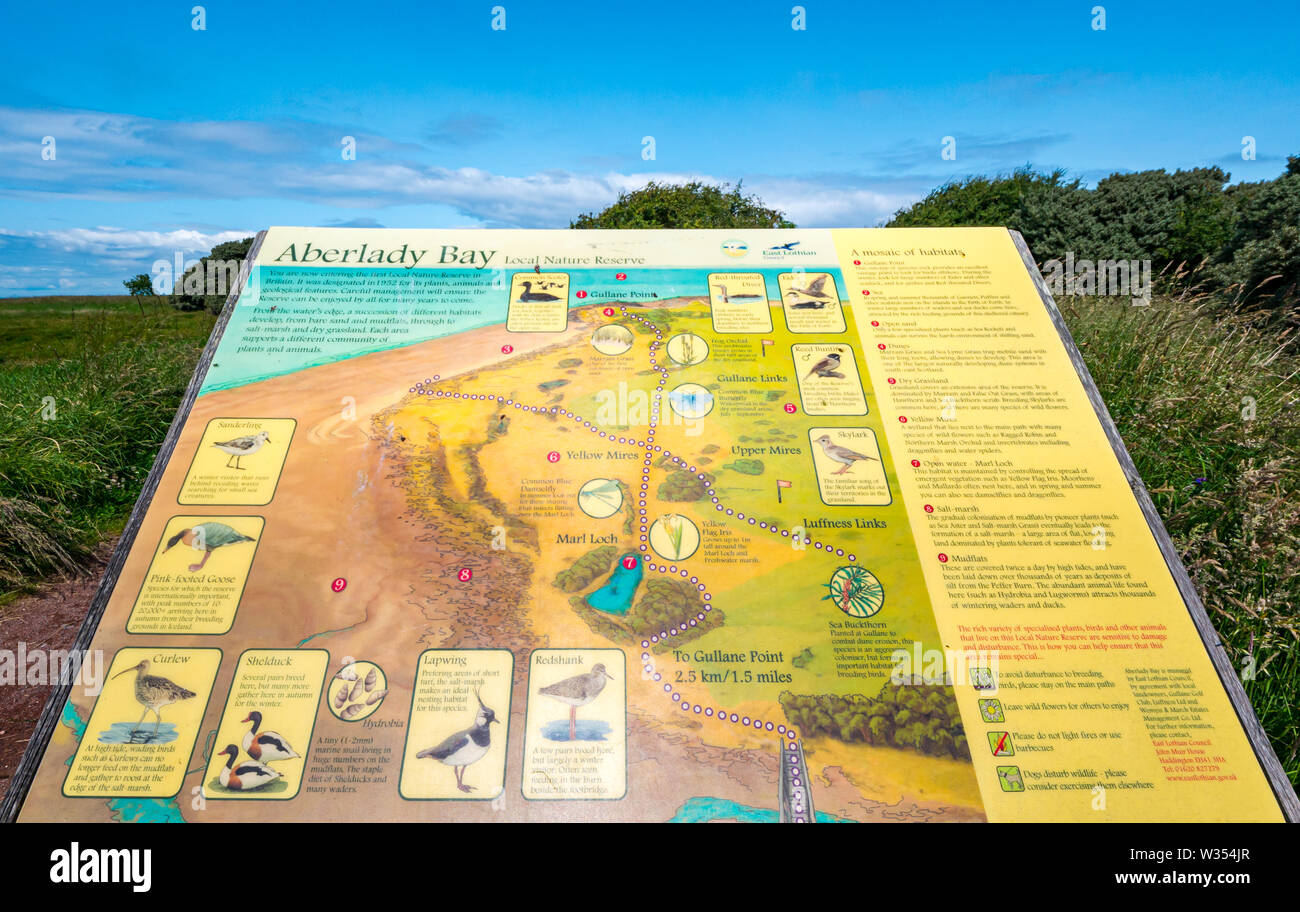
x=139, y=286
x=208, y=282
x=693, y=205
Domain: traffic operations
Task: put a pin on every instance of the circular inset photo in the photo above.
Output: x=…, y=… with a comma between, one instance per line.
x=674, y=537
x=357, y=690
x=600, y=497
x=687, y=349
x=856, y=592
x=612, y=339
x=690, y=400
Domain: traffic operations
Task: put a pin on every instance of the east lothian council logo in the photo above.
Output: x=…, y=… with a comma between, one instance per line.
x=735, y=248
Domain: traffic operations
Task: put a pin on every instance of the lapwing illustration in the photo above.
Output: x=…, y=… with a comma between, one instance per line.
x=816, y=289
x=246, y=776
x=206, y=537
x=465, y=747
x=153, y=692
x=268, y=745
x=841, y=454
x=826, y=367
x=578, y=690
x=242, y=446
x=530, y=295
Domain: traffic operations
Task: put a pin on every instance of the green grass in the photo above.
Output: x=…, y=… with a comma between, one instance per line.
x=1179, y=383
x=88, y=387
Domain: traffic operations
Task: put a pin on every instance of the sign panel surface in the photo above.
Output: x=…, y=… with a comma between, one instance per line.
x=806, y=525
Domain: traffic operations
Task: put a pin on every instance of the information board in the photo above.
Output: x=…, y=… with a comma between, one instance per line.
x=790, y=525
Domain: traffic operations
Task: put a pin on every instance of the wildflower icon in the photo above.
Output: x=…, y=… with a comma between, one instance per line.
x=674, y=537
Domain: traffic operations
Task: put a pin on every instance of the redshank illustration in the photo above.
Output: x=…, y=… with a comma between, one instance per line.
x=578, y=690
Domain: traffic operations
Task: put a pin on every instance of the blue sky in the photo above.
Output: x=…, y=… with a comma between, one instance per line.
x=169, y=139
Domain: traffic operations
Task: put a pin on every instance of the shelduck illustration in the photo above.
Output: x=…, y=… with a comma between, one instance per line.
x=246, y=776
x=268, y=745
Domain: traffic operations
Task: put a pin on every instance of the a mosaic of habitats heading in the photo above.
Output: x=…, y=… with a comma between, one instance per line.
x=648, y=525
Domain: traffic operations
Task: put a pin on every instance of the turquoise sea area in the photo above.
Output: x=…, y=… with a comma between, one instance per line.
x=325, y=315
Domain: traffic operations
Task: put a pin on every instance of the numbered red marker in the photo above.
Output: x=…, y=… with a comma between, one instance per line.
x=621, y=276
x=553, y=456
x=929, y=508
x=339, y=584
x=581, y=294
x=892, y=380
x=881, y=346
x=857, y=262
x=507, y=349
x=865, y=292
x=464, y=574
x=902, y=419
x=629, y=563
x=608, y=311
x=875, y=322
x=916, y=463
x=943, y=558
x=790, y=408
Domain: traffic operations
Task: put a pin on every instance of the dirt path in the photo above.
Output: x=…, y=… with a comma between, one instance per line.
x=49, y=619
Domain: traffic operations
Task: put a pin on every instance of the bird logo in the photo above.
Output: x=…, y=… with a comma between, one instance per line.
x=242, y=446
x=465, y=747
x=842, y=454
